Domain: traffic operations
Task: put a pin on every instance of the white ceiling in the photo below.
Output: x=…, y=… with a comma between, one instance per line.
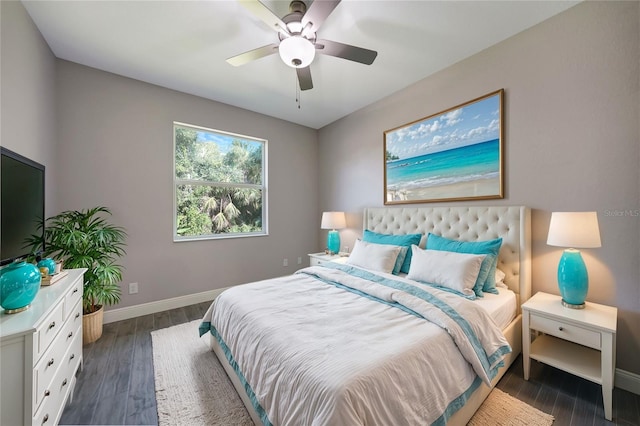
x=183, y=45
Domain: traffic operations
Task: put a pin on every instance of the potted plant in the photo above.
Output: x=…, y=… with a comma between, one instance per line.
x=85, y=239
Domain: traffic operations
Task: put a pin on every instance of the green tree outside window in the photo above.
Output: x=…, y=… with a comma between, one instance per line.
x=219, y=184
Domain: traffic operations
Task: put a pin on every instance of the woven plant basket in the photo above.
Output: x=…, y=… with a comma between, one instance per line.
x=92, y=326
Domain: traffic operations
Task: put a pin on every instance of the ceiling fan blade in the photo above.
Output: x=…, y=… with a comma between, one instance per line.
x=265, y=15
x=346, y=51
x=304, y=78
x=252, y=55
x=317, y=13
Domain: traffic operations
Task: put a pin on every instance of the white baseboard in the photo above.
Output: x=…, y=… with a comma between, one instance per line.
x=627, y=381
x=120, y=314
x=623, y=379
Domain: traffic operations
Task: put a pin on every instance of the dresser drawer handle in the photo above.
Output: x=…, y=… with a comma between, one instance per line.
x=64, y=383
x=72, y=357
x=47, y=392
x=70, y=335
x=75, y=290
x=53, y=324
x=50, y=363
x=77, y=315
x=561, y=328
x=45, y=418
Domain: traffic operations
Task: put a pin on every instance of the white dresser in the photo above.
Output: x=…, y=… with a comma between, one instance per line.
x=41, y=353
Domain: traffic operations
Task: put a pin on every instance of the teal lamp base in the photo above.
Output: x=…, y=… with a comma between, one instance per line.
x=333, y=242
x=573, y=280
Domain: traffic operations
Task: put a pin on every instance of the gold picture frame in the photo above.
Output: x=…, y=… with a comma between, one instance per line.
x=454, y=155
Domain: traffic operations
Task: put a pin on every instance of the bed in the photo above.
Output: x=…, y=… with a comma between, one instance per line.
x=285, y=378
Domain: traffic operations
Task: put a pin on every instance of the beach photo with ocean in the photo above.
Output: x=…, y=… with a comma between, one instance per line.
x=456, y=154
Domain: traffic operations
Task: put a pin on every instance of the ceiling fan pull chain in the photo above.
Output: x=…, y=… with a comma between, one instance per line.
x=297, y=92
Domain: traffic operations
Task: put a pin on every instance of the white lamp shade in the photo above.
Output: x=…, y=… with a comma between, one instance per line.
x=296, y=51
x=574, y=229
x=333, y=220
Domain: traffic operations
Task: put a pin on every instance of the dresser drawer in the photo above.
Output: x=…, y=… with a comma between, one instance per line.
x=72, y=297
x=54, y=358
x=73, y=357
x=47, y=331
x=44, y=372
x=51, y=408
x=314, y=261
x=74, y=320
x=566, y=331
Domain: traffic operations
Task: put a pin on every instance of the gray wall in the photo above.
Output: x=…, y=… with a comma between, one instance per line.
x=107, y=140
x=572, y=143
x=116, y=145
x=27, y=110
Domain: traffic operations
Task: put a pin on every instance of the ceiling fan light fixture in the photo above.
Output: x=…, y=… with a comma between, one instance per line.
x=296, y=51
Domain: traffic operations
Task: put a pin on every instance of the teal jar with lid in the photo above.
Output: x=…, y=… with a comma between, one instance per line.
x=19, y=285
x=48, y=263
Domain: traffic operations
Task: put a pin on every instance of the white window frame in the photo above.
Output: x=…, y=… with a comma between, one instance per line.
x=262, y=187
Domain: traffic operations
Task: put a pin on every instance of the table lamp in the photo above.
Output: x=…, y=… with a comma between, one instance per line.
x=333, y=221
x=573, y=230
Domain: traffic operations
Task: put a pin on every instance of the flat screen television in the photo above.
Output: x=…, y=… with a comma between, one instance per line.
x=21, y=204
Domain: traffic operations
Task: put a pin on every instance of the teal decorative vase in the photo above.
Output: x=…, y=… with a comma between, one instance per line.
x=48, y=263
x=19, y=284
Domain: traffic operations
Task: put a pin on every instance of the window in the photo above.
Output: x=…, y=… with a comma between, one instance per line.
x=219, y=184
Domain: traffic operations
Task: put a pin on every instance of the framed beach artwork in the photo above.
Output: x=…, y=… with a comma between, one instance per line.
x=452, y=155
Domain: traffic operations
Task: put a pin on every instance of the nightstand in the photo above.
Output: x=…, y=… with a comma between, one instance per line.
x=316, y=259
x=578, y=341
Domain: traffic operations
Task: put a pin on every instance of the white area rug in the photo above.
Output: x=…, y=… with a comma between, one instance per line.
x=192, y=388
x=500, y=408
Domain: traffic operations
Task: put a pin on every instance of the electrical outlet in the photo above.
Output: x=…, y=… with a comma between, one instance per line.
x=133, y=288
x=299, y=261
x=285, y=262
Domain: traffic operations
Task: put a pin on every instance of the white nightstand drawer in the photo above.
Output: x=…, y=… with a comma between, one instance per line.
x=314, y=261
x=566, y=331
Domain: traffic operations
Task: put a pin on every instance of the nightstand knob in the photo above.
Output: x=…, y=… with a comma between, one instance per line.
x=561, y=328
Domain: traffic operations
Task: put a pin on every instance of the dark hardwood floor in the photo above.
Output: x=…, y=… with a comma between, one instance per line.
x=116, y=385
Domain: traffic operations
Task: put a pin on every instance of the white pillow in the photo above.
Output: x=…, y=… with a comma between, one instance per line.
x=452, y=270
x=500, y=278
x=377, y=257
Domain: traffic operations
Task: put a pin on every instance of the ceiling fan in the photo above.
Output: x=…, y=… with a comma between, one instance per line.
x=298, y=41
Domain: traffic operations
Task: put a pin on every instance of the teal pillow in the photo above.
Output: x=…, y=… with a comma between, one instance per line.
x=397, y=240
x=486, y=278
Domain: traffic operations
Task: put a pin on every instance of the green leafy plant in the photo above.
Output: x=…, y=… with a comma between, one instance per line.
x=84, y=239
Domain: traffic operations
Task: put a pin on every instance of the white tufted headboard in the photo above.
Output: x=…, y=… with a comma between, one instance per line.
x=512, y=223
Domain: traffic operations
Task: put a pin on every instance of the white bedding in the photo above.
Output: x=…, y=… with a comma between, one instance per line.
x=501, y=307
x=291, y=341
